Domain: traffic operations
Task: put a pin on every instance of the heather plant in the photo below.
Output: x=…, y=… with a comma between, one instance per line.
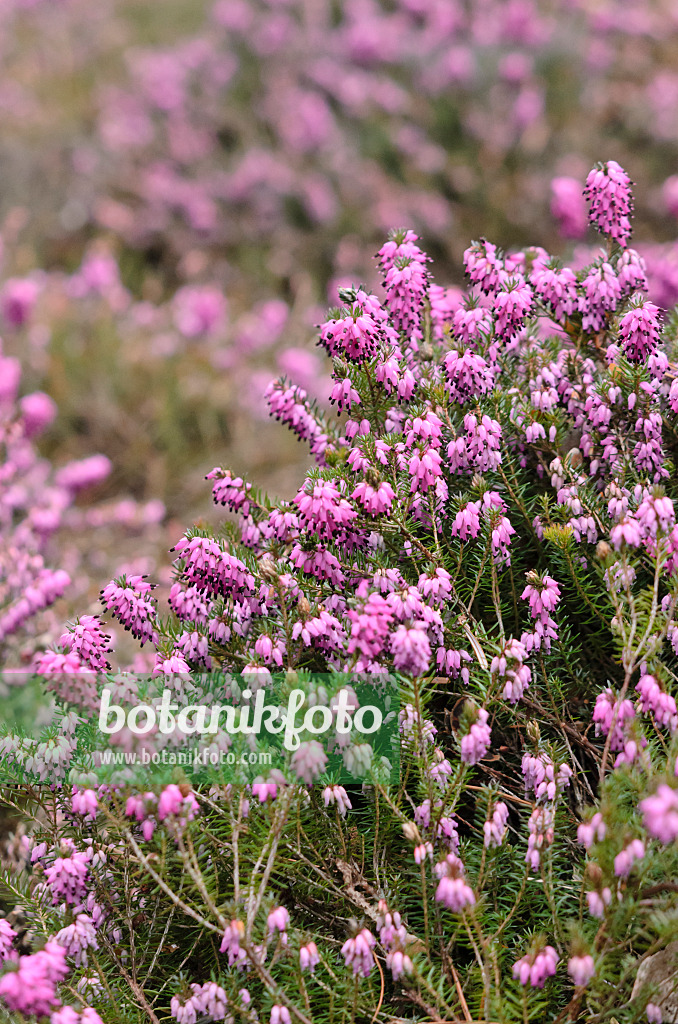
x=278, y=128
x=266, y=132
x=491, y=518
x=235, y=147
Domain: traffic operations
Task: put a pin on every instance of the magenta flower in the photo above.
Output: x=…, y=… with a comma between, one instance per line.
x=31, y=987
x=126, y=599
x=608, y=190
x=639, y=331
x=7, y=937
x=355, y=336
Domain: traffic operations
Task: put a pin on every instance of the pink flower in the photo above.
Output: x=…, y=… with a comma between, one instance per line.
x=422, y=853
x=67, y=877
x=344, y=394
x=424, y=467
x=7, y=937
x=536, y=968
x=199, y=310
x=600, y=292
x=309, y=761
x=494, y=828
x=640, y=330
x=609, y=712
x=309, y=957
x=469, y=376
x=375, y=500
x=280, y=1015
x=323, y=510
x=543, y=594
x=624, y=861
x=476, y=743
x=126, y=599
x=278, y=920
x=230, y=943
x=355, y=336
x=467, y=521
x=17, y=300
x=453, y=891
x=653, y=698
x=598, y=900
x=608, y=189
x=592, y=831
x=264, y=791
x=581, y=969
x=411, y=649
x=541, y=833
x=87, y=639
x=512, y=303
x=84, y=801
x=30, y=987
x=568, y=207
x=406, y=285
x=82, y=473
x=399, y=963
x=38, y=410
x=660, y=814
x=173, y=804
x=483, y=265
x=556, y=287
x=358, y=952
x=338, y=795
x=77, y=938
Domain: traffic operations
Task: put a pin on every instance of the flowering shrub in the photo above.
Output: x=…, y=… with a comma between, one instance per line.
x=491, y=517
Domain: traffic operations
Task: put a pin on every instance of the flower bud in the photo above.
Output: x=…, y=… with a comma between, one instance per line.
x=411, y=832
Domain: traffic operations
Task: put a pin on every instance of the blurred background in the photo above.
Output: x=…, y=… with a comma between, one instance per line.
x=185, y=184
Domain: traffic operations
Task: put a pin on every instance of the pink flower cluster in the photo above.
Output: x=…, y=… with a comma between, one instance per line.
x=477, y=741
x=29, y=984
x=358, y=953
x=608, y=189
x=453, y=889
x=536, y=967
